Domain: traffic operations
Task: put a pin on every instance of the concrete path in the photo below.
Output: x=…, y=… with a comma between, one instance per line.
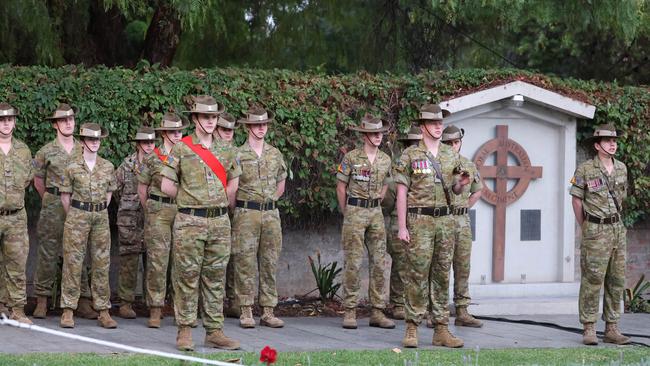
x=309, y=334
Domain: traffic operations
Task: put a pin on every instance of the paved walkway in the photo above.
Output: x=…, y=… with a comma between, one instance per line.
x=309, y=334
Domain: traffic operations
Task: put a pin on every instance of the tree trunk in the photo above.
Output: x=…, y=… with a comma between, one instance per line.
x=163, y=35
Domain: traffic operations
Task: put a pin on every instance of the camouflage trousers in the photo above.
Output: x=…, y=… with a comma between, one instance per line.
x=158, y=239
x=86, y=232
x=50, y=247
x=230, y=277
x=257, y=242
x=461, y=261
x=428, y=262
x=127, y=277
x=396, y=249
x=200, y=255
x=602, y=262
x=363, y=228
x=14, y=248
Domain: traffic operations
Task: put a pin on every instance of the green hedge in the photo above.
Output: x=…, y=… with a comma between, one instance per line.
x=312, y=112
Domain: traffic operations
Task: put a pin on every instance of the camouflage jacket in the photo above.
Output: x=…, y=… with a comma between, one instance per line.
x=130, y=215
x=150, y=169
x=88, y=186
x=364, y=180
x=17, y=172
x=260, y=175
x=590, y=183
x=52, y=159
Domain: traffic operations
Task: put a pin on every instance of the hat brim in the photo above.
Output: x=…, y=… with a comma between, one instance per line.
x=445, y=114
x=185, y=125
x=384, y=127
x=270, y=119
x=589, y=141
x=410, y=137
x=104, y=134
x=53, y=119
x=154, y=139
x=222, y=108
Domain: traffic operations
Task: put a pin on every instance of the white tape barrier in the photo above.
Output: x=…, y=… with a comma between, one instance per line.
x=6, y=321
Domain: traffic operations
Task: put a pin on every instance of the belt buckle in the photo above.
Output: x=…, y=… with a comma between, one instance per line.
x=436, y=211
x=264, y=206
x=602, y=221
x=366, y=203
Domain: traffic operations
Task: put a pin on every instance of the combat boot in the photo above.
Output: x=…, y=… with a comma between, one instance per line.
x=378, y=319
x=126, y=311
x=442, y=337
x=350, y=319
x=465, y=319
x=105, y=321
x=40, y=312
x=18, y=314
x=411, y=336
x=270, y=320
x=613, y=335
x=67, y=319
x=589, y=335
x=217, y=339
x=399, y=313
x=246, y=318
x=184, y=339
x=154, y=318
x=85, y=309
x=232, y=311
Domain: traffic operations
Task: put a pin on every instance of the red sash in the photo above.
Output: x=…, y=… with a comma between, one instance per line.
x=209, y=159
x=162, y=157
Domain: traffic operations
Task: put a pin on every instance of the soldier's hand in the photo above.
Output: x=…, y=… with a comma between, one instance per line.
x=464, y=178
x=403, y=235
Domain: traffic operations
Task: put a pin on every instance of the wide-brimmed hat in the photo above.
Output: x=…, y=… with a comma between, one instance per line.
x=144, y=133
x=371, y=124
x=432, y=112
x=62, y=111
x=206, y=104
x=226, y=120
x=6, y=110
x=413, y=134
x=605, y=130
x=92, y=130
x=452, y=132
x=172, y=122
x=256, y=116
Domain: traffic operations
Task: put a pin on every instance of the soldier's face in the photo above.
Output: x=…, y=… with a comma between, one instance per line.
x=455, y=144
x=65, y=125
x=7, y=125
x=92, y=143
x=432, y=129
x=259, y=130
x=147, y=146
x=375, y=137
x=225, y=134
x=207, y=121
x=174, y=136
x=607, y=145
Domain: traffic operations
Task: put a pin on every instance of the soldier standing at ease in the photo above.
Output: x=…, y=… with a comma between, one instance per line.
x=16, y=170
x=49, y=167
x=86, y=190
x=160, y=210
x=425, y=175
x=599, y=187
x=202, y=175
x=256, y=230
x=362, y=182
x=453, y=136
x=394, y=246
x=130, y=219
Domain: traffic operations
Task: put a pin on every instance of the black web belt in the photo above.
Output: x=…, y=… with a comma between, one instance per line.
x=360, y=202
x=430, y=211
x=89, y=206
x=606, y=220
x=53, y=190
x=267, y=206
x=205, y=212
x=158, y=198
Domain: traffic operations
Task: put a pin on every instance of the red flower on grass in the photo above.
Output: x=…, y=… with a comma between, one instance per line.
x=268, y=355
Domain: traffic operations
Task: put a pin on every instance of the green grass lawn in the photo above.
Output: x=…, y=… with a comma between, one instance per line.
x=567, y=356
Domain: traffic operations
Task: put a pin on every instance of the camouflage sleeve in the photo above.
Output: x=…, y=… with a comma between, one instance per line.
x=29, y=166
x=170, y=169
x=112, y=183
x=68, y=179
x=282, y=169
x=119, y=178
x=476, y=184
x=344, y=169
x=578, y=183
x=39, y=164
x=144, y=176
x=402, y=170
x=234, y=170
x=625, y=184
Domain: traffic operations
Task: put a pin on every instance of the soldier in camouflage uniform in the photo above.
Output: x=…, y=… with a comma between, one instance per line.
x=16, y=170
x=361, y=184
x=394, y=246
x=202, y=175
x=256, y=230
x=426, y=175
x=453, y=136
x=130, y=219
x=599, y=187
x=86, y=189
x=160, y=211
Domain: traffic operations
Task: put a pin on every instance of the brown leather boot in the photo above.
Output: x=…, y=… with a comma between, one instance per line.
x=217, y=339
x=350, y=319
x=398, y=312
x=105, y=321
x=378, y=319
x=232, y=311
x=40, y=312
x=246, y=318
x=465, y=319
x=613, y=335
x=154, y=318
x=18, y=314
x=126, y=311
x=589, y=335
x=67, y=319
x=442, y=337
x=85, y=309
x=269, y=319
x=184, y=339
x=411, y=336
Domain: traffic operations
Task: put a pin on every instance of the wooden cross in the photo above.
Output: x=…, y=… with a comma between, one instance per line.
x=501, y=197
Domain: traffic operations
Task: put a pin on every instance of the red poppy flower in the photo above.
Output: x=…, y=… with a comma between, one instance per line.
x=268, y=355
